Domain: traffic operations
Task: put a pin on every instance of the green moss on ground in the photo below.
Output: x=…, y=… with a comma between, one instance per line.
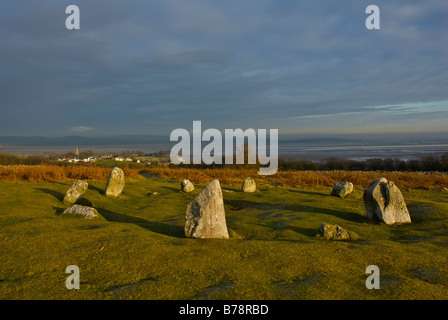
x=137, y=249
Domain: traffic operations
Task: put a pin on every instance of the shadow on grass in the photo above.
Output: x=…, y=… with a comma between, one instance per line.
x=84, y=202
x=312, y=193
x=149, y=175
x=245, y=204
x=171, y=189
x=349, y=216
x=309, y=232
x=157, y=227
x=58, y=210
x=58, y=195
x=80, y=201
x=99, y=190
x=404, y=235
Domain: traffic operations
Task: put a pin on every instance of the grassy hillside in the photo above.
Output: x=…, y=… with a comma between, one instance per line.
x=137, y=249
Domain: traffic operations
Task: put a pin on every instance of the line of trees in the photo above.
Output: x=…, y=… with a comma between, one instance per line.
x=424, y=163
x=29, y=160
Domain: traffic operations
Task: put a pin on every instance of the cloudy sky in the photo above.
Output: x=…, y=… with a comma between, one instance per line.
x=149, y=67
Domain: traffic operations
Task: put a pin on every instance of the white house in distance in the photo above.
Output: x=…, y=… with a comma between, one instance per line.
x=107, y=156
x=77, y=159
x=121, y=159
x=180, y=160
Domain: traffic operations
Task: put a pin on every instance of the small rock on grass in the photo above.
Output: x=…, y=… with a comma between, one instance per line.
x=186, y=186
x=249, y=185
x=78, y=210
x=333, y=232
x=342, y=189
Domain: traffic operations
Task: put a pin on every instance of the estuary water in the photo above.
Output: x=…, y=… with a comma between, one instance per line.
x=286, y=149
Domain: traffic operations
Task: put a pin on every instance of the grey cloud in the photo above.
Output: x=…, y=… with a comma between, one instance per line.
x=149, y=67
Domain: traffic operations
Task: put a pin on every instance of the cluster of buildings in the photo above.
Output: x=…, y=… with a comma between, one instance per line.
x=121, y=159
x=74, y=160
x=107, y=156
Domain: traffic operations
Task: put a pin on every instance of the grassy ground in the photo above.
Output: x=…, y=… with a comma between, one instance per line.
x=111, y=163
x=137, y=249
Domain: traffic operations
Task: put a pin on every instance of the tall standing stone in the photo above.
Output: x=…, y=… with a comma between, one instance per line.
x=249, y=185
x=115, y=183
x=75, y=192
x=205, y=216
x=385, y=203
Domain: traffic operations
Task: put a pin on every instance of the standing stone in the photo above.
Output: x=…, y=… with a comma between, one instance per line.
x=78, y=210
x=186, y=186
x=115, y=182
x=249, y=185
x=75, y=192
x=333, y=232
x=205, y=216
x=385, y=203
x=342, y=189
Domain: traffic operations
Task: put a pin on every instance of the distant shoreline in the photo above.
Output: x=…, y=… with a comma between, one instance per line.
x=287, y=150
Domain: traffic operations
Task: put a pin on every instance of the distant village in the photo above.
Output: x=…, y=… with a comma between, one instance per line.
x=126, y=156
